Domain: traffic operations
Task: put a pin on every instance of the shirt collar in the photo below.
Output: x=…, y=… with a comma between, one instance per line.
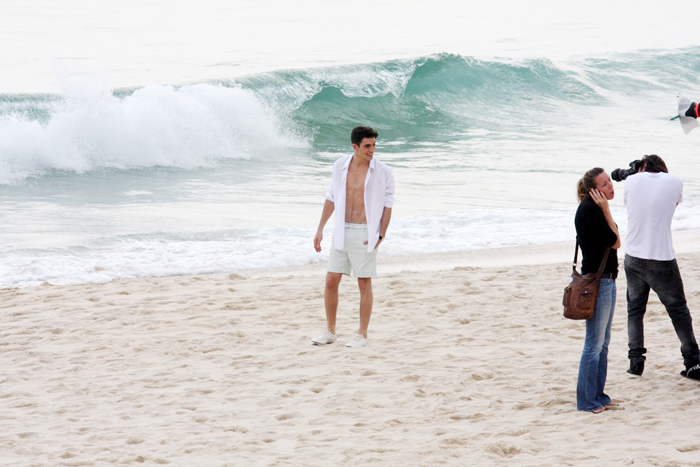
x=347, y=163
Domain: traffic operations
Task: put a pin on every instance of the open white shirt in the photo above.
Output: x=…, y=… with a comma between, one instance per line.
x=651, y=200
x=379, y=194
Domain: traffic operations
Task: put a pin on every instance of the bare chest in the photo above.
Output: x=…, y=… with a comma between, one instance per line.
x=356, y=180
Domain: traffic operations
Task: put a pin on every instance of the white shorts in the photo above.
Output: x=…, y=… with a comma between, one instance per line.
x=354, y=257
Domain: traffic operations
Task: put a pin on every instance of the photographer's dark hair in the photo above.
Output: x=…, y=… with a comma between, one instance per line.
x=360, y=132
x=653, y=163
x=587, y=183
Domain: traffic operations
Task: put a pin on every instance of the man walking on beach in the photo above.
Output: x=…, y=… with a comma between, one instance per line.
x=362, y=194
x=651, y=197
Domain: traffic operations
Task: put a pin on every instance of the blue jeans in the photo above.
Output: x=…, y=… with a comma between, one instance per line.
x=593, y=369
x=664, y=278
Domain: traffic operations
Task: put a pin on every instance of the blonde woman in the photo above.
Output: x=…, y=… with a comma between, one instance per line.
x=596, y=231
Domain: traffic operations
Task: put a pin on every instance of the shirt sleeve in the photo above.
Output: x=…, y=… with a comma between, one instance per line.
x=388, y=189
x=330, y=195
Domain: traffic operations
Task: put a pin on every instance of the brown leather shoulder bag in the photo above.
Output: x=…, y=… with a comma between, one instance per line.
x=582, y=292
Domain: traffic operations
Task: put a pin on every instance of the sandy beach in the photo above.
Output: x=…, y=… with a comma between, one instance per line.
x=469, y=362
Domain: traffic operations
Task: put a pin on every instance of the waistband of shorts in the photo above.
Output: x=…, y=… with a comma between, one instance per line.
x=349, y=225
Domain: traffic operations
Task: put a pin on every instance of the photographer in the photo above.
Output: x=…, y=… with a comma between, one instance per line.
x=651, y=196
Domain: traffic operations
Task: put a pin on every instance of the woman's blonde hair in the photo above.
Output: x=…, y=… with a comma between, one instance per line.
x=587, y=182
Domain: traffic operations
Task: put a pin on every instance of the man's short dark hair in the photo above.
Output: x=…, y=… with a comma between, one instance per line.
x=653, y=163
x=361, y=132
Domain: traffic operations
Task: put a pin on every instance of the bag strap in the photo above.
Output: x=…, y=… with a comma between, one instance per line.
x=602, y=263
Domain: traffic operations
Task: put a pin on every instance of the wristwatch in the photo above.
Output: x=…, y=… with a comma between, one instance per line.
x=381, y=238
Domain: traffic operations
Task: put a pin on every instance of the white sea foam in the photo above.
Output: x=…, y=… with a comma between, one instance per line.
x=90, y=128
x=135, y=258
x=164, y=255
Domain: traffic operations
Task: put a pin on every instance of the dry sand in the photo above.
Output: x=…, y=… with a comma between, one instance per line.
x=469, y=363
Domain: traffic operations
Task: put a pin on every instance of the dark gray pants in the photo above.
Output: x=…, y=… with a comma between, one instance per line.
x=664, y=278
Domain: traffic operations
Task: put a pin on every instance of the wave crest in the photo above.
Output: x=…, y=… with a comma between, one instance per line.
x=89, y=127
x=436, y=98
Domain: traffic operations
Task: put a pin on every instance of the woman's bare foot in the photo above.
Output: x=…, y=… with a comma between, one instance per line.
x=614, y=406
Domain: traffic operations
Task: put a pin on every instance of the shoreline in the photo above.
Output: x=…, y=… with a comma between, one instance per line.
x=685, y=241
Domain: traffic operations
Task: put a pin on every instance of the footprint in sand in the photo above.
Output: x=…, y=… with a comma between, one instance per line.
x=480, y=377
x=688, y=448
x=503, y=449
x=285, y=416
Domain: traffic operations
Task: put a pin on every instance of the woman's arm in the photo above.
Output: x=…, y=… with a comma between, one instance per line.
x=602, y=203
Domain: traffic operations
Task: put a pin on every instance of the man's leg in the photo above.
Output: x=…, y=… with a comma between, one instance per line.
x=637, y=297
x=330, y=298
x=366, y=301
x=667, y=283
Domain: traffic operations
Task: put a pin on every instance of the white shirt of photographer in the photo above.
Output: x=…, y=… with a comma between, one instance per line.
x=651, y=200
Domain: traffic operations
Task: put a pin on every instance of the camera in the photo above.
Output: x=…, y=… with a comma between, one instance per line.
x=620, y=174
